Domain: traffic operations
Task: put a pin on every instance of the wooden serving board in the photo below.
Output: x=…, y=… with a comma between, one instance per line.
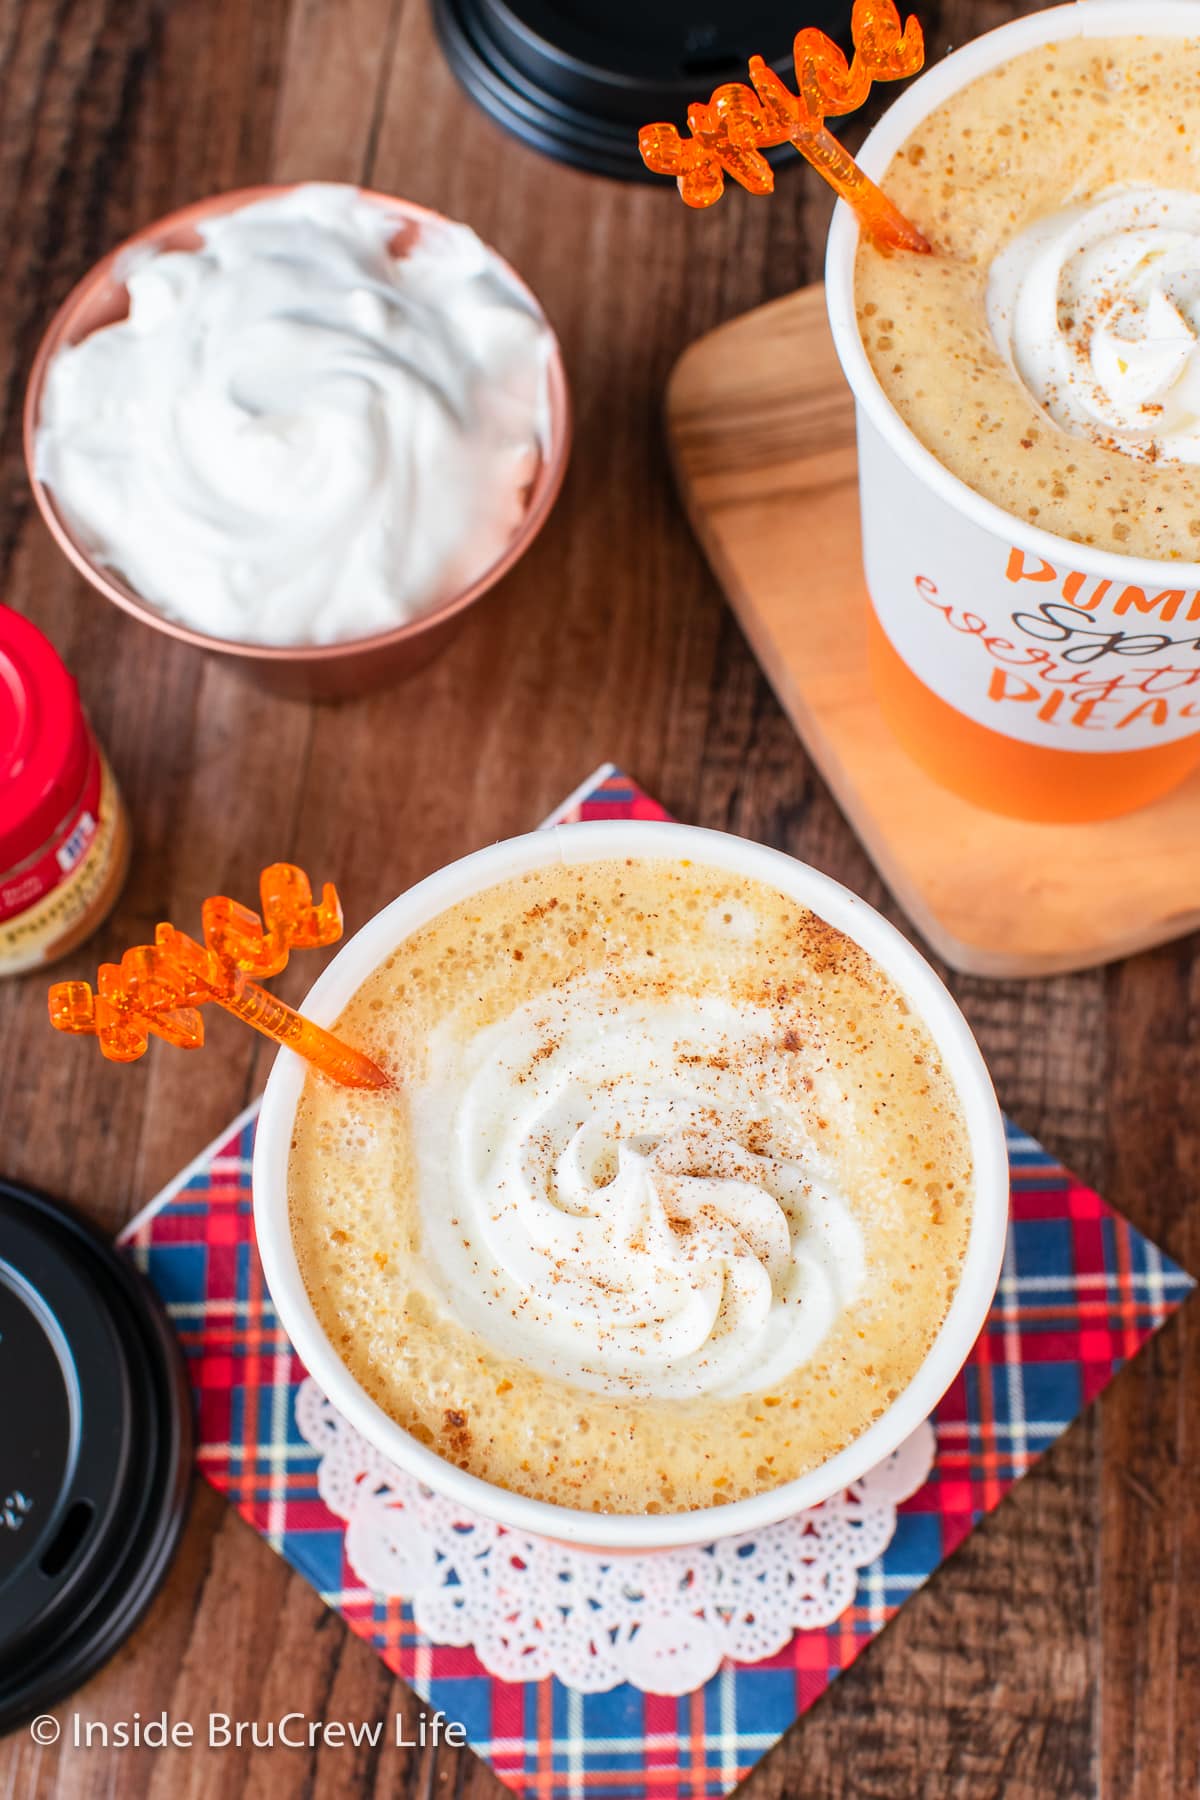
x=761, y=426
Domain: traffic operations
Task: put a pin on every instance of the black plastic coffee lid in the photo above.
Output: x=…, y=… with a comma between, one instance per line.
x=576, y=78
x=95, y=1450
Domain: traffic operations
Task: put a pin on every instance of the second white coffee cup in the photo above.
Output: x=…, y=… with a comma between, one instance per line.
x=957, y=584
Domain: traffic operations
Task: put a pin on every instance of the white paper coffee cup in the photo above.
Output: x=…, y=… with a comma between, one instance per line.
x=571, y=845
x=969, y=596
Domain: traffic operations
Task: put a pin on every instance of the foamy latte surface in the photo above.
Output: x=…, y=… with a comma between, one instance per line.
x=671, y=1200
x=1048, y=354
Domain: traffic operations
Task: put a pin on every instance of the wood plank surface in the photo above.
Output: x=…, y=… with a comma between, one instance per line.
x=1055, y=1655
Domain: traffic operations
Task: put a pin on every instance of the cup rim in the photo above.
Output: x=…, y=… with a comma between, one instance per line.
x=59, y=333
x=572, y=845
x=1078, y=18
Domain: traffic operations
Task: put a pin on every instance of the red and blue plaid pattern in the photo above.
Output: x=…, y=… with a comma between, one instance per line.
x=1081, y=1290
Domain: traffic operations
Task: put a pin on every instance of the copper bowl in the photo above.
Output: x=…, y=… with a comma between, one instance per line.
x=299, y=671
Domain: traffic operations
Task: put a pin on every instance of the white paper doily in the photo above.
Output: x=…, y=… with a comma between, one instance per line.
x=662, y=1621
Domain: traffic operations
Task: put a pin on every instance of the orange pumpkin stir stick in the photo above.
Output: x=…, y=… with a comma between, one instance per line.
x=157, y=988
x=730, y=131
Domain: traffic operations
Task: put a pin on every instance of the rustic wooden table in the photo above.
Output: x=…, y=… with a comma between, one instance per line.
x=1054, y=1655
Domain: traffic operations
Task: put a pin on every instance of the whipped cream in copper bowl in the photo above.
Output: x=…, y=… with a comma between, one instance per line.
x=315, y=426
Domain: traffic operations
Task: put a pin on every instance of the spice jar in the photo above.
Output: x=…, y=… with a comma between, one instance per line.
x=64, y=831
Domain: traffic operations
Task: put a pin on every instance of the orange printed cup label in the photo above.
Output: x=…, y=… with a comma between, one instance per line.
x=1036, y=649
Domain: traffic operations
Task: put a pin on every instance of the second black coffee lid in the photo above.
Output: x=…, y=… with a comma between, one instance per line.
x=576, y=78
x=95, y=1450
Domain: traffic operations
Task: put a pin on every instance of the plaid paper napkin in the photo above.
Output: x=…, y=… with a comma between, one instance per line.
x=1080, y=1291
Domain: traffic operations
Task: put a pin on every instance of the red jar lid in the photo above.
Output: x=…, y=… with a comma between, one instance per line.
x=44, y=740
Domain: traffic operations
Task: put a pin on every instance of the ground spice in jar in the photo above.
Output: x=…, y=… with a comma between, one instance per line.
x=64, y=831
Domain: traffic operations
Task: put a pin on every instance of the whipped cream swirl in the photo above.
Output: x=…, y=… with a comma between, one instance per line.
x=313, y=427
x=1097, y=310
x=620, y=1195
